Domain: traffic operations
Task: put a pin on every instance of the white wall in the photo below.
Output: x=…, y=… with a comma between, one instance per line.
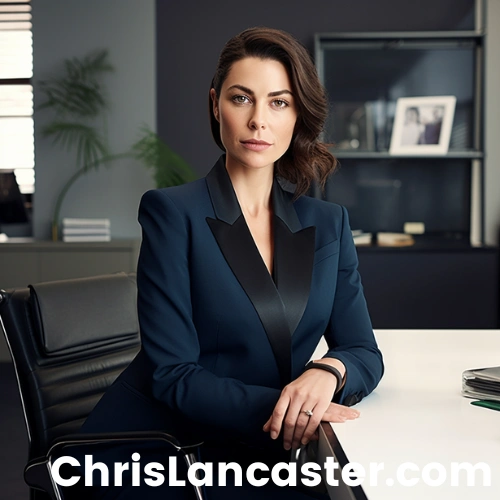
x=67, y=28
x=492, y=122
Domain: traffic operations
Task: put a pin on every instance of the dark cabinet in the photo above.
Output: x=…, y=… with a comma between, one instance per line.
x=419, y=288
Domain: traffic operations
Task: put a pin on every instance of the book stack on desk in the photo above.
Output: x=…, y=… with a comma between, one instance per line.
x=361, y=238
x=81, y=230
x=394, y=240
x=482, y=383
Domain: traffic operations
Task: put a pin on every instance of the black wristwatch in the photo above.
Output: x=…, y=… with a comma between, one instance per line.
x=327, y=368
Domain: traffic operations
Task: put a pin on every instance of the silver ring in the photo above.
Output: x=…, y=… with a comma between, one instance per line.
x=309, y=413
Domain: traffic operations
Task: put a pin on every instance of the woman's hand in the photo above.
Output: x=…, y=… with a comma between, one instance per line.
x=339, y=413
x=312, y=391
x=335, y=413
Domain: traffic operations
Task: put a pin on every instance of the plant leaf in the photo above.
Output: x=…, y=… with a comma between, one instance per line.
x=78, y=90
x=89, y=144
x=169, y=168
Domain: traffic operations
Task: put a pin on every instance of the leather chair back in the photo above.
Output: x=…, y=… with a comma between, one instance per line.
x=69, y=341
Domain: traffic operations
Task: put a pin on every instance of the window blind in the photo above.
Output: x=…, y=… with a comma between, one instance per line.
x=16, y=93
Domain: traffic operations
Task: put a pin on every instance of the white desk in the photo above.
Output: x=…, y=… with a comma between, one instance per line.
x=417, y=414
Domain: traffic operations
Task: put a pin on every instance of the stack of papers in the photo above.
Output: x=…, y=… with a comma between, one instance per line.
x=394, y=240
x=80, y=230
x=482, y=383
x=361, y=238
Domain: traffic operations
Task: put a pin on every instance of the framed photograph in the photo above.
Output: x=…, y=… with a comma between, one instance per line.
x=422, y=125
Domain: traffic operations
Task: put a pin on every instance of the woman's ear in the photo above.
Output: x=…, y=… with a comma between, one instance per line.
x=215, y=104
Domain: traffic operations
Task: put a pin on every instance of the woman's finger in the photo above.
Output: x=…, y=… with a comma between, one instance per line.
x=300, y=431
x=267, y=425
x=313, y=423
x=340, y=413
x=296, y=422
x=279, y=412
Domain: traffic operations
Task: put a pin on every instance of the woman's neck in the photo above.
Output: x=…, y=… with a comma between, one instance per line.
x=253, y=188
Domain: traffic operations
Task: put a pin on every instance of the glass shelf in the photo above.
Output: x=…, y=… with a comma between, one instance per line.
x=385, y=155
x=325, y=38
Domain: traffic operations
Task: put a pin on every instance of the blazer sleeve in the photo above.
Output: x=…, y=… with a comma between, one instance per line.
x=349, y=334
x=170, y=339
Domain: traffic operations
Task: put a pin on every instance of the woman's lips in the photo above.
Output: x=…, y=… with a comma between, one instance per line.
x=255, y=145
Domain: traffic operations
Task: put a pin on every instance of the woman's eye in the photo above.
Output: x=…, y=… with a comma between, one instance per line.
x=280, y=103
x=240, y=99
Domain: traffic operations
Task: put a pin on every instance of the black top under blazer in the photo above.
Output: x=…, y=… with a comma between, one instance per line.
x=221, y=336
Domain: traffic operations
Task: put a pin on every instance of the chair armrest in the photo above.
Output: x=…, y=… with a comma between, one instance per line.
x=329, y=446
x=37, y=471
x=121, y=437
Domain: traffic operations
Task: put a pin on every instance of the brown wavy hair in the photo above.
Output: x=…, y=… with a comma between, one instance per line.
x=307, y=159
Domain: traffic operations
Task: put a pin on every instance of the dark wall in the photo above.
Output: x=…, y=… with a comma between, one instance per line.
x=191, y=34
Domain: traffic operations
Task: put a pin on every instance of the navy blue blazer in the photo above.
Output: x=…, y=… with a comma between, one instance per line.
x=221, y=336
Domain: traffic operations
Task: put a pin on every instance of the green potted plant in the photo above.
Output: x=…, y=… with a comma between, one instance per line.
x=79, y=105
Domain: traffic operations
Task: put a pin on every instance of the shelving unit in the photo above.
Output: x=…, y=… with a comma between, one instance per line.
x=365, y=74
x=383, y=155
x=448, y=279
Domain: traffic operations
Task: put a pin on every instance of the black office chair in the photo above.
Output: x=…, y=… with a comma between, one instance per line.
x=69, y=340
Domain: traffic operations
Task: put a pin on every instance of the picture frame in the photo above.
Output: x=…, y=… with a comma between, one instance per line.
x=422, y=125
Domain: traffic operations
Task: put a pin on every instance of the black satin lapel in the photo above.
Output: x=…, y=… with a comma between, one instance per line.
x=283, y=207
x=293, y=263
x=293, y=256
x=220, y=188
x=243, y=257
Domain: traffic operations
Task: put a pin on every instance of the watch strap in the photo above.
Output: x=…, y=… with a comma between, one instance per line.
x=327, y=368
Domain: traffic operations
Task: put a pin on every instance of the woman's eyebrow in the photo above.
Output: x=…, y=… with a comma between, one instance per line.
x=251, y=92
x=279, y=92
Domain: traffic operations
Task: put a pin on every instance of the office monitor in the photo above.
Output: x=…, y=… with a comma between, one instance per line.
x=12, y=208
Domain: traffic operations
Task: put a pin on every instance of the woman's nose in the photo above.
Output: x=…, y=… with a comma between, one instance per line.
x=257, y=119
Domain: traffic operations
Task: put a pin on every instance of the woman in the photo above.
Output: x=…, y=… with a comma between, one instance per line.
x=413, y=129
x=238, y=280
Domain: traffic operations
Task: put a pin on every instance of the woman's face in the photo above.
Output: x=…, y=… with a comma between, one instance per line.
x=411, y=116
x=256, y=112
